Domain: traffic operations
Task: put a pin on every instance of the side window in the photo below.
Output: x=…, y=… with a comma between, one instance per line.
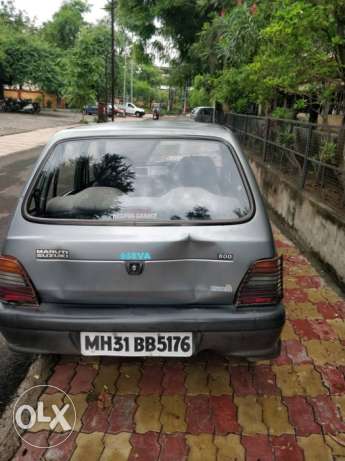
x=52, y=181
x=65, y=181
x=61, y=181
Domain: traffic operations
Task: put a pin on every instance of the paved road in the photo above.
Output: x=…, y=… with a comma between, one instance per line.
x=14, y=170
x=19, y=123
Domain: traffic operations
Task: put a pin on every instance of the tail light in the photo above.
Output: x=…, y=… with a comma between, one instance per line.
x=15, y=284
x=262, y=284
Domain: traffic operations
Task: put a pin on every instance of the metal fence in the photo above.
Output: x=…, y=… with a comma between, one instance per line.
x=311, y=155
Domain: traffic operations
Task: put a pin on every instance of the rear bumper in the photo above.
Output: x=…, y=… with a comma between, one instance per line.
x=55, y=328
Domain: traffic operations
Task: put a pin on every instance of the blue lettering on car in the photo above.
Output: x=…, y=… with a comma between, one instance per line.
x=135, y=256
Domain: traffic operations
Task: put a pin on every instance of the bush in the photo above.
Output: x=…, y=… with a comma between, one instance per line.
x=176, y=110
x=199, y=98
x=299, y=105
x=286, y=138
x=200, y=93
x=282, y=112
x=328, y=151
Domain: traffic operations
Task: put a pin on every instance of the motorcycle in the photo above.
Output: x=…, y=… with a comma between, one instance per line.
x=156, y=111
x=21, y=105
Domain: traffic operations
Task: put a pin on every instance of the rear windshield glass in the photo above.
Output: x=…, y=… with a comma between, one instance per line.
x=140, y=180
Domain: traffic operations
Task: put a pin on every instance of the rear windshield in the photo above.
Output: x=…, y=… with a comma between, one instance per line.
x=141, y=180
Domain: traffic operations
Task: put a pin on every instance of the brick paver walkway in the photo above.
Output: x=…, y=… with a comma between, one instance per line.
x=211, y=408
x=14, y=143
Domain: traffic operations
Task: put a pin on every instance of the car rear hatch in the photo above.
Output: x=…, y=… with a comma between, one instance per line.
x=130, y=221
x=194, y=265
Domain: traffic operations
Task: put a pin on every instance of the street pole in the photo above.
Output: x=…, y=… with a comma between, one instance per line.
x=106, y=80
x=169, y=99
x=113, y=60
x=132, y=80
x=124, y=81
x=185, y=97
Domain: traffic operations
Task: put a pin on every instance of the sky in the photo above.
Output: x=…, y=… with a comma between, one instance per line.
x=44, y=9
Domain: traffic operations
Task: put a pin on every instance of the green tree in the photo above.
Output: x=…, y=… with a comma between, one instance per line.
x=85, y=66
x=150, y=74
x=199, y=95
x=147, y=81
x=29, y=60
x=176, y=19
x=10, y=16
x=66, y=23
x=174, y=23
x=12, y=21
x=260, y=53
x=144, y=92
x=293, y=56
x=24, y=56
x=226, y=46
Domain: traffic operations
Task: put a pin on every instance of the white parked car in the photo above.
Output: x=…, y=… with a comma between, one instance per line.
x=202, y=114
x=132, y=109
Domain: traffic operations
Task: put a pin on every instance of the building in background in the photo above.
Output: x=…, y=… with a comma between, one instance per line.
x=46, y=100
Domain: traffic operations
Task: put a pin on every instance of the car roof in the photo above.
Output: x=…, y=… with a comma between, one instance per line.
x=147, y=128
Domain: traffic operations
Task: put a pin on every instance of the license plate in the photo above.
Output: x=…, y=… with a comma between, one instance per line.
x=137, y=344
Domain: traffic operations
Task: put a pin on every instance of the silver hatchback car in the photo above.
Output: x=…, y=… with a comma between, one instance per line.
x=142, y=239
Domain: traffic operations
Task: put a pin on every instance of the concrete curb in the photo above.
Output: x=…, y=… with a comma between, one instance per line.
x=38, y=373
